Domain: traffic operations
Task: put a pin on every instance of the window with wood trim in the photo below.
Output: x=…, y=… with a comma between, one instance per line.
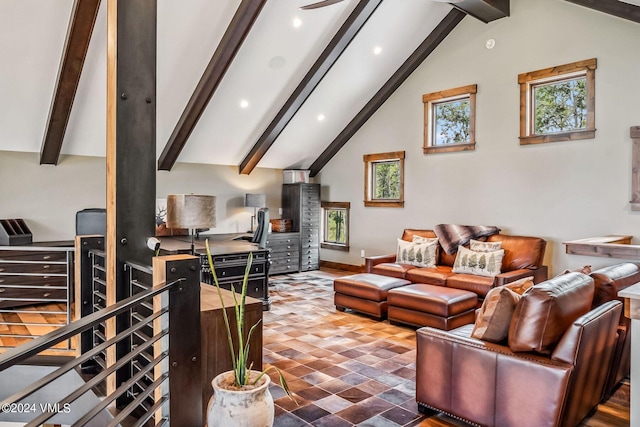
x=335, y=225
x=384, y=179
x=450, y=120
x=558, y=103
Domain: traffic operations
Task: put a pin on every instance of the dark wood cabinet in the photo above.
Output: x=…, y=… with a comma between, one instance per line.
x=301, y=204
x=284, y=252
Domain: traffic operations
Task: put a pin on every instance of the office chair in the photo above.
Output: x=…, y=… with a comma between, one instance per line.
x=260, y=235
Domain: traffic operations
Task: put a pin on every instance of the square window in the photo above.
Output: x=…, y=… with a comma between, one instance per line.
x=449, y=120
x=384, y=179
x=558, y=103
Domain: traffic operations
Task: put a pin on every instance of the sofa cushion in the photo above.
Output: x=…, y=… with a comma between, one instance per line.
x=478, y=246
x=392, y=269
x=547, y=309
x=437, y=275
x=520, y=251
x=494, y=318
x=522, y=285
x=478, y=263
x=480, y=285
x=418, y=254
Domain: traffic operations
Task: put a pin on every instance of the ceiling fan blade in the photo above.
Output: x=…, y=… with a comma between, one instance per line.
x=320, y=4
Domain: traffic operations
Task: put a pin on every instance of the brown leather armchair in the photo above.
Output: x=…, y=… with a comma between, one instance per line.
x=491, y=385
x=608, y=282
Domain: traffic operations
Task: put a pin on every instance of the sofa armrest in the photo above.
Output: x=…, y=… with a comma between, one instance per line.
x=487, y=383
x=372, y=261
x=539, y=275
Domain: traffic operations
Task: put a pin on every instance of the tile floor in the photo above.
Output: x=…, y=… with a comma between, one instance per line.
x=344, y=369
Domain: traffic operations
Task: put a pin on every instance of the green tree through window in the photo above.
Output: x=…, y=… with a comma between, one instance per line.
x=561, y=106
x=387, y=180
x=452, y=121
x=335, y=224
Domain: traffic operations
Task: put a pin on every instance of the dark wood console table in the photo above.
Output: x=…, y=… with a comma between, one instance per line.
x=230, y=260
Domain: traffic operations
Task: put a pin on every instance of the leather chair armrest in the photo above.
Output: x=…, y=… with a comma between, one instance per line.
x=539, y=275
x=487, y=383
x=372, y=261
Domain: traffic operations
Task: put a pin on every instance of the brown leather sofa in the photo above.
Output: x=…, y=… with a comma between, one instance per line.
x=523, y=257
x=490, y=385
x=608, y=282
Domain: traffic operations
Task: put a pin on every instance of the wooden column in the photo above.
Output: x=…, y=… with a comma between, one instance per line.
x=131, y=149
x=635, y=171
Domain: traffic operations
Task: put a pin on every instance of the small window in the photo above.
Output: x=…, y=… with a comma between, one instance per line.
x=558, y=103
x=335, y=225
x=384, y=179
x=449, y=120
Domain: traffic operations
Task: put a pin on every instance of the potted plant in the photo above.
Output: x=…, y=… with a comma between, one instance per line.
x=241, y=397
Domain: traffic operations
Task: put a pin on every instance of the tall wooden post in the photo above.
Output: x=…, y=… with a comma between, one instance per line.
x=131, y=150
x=635, y=168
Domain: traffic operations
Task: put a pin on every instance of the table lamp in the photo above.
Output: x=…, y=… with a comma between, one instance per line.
x=191, y=211
x=254, y=201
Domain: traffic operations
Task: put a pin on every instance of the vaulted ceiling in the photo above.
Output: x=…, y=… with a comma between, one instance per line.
x=244, y=83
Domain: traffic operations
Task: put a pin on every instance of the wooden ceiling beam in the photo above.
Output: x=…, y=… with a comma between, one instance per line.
x=221, y=60
x=432, y=41
x=612, y=7
x=83, y=18
x=338, y=44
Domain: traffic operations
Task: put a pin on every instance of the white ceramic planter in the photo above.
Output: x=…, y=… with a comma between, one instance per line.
x=240, y=408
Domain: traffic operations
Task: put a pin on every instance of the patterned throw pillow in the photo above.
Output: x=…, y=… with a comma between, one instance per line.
x=418, y=254
x=478, y=263
x=419, y=239
x=478, y=246
x=520, y=286
x=494, y=319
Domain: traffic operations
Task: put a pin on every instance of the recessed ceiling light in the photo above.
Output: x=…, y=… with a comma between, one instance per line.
x=297, y=22
x=244, y=103
x=320, y=117
x=377, y=50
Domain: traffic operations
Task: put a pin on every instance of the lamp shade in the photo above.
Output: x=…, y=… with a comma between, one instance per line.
x=255, y=200
x=191, y=211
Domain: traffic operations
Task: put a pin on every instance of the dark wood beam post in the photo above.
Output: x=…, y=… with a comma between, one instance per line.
x=323, y=64
x=131, y=149
x=83, y=18
x=432, y=41
x=221, y=60
x=612, y=7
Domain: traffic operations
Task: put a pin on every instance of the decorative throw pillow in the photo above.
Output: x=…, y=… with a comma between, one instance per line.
x=478, y=263
x=478, y=246
x=494, y=319
x=520, y=286
x=418, y=254
x=419, y=239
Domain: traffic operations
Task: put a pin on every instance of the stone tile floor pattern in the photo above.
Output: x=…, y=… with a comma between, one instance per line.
x=343, y=368
x=347, y=369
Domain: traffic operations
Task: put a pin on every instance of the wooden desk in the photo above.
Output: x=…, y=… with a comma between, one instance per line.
x=216, y=357
x=229, y=260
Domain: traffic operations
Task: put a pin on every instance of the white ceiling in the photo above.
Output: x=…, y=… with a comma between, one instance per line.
x=272, y=61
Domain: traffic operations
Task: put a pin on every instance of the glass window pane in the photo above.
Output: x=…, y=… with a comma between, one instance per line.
x=452, y=122
x=386, y=180
x=336, y=226
x=560, y=106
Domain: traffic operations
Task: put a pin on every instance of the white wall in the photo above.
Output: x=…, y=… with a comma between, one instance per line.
x=559, y=191
x=47, y=197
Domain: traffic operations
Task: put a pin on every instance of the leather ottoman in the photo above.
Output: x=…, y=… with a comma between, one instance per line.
x=428, y=305
x=365, y=292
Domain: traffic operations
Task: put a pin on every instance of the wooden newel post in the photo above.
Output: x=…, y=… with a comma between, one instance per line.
x=635, y=171
x=183, y=345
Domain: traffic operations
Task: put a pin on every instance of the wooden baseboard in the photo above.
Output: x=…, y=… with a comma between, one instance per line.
x=340, y=266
